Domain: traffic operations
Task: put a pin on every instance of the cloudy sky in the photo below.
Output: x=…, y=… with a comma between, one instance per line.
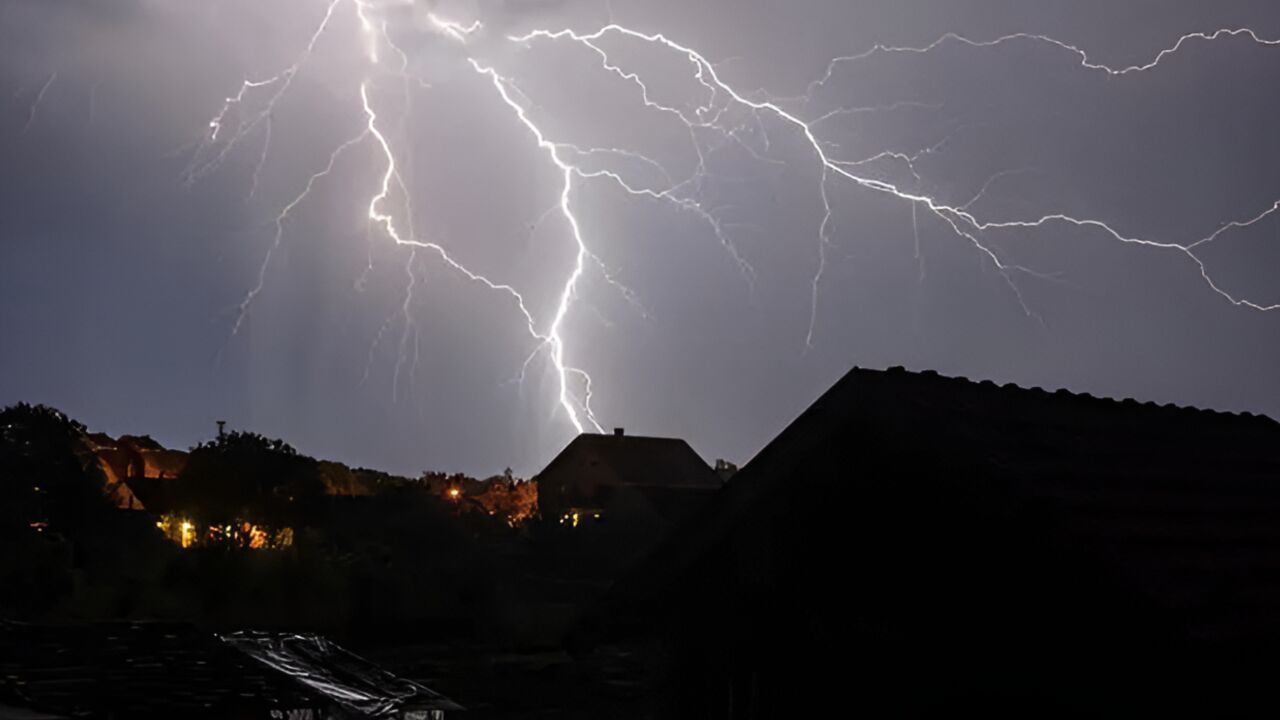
x=130, y=238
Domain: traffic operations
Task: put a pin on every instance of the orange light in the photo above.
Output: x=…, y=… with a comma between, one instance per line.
x=454, y=493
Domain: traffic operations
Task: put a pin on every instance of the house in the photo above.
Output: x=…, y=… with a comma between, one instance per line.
x=914, y=545
x=114, y=461
x=624, y=480
x=155, y=670
x=133, y=467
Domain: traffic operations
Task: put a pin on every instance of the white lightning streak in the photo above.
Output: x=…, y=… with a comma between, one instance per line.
x=961, y=221
x=570, y=286
x=279, y=222
x=262, y=158
x=991, y=181
x=1235, y=224
x=283, y=80
x=552, y=338
x=1085, y=61
x=35, y=104
x=714, y=118
x=705, y=74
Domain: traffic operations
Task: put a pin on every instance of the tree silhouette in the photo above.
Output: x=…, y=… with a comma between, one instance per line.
x=45, y=476
x=51, y=500
x=243, y=477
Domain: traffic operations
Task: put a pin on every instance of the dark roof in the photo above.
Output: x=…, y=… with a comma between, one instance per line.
x=346, y=679
x=640, y=461
x=129, y=670
x=141, y=442
x=153, y=493
x=100, y=440
x=137, y=670
x=1181, y=505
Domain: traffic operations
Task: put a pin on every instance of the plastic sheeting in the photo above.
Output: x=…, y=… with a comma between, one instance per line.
x=353, y=683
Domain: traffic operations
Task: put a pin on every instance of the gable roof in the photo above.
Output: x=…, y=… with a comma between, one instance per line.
x=1182, y=504
x=638, y=461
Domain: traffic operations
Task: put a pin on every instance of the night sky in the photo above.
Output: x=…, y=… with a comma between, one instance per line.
x=122, y=274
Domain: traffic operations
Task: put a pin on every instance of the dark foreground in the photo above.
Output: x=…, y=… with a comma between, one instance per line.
x=911, y=546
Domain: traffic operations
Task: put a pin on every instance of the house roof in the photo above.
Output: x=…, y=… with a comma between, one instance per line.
x=1182, y=505
x=346, y=679
x=638, y=461
x=140, y=442
x=153, y=493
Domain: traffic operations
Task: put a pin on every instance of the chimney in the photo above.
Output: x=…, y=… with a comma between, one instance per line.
x=619, y=432
x=725, y=469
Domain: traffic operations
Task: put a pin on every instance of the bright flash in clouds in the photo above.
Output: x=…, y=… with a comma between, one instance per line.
x=722, y=111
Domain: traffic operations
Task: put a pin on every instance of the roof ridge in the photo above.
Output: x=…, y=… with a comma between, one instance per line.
x=1065, y=393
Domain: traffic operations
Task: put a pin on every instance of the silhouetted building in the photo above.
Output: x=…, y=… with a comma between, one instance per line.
x=916, y=545
x=169, y=670
x=135, y=468
x=726, y=470
x=624, y=480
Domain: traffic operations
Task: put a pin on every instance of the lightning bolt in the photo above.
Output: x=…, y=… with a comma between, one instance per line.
x=39, y=98
x=958, y=218
x=722, y=112
x=279, y=224
x=1081, y=56
x=278, y=86
x=555, y=337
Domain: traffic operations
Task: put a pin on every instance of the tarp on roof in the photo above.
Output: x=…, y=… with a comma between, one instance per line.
x=347, y=679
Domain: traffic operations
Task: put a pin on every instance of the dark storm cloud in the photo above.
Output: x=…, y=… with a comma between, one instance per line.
x=527, y=7
x=108, y=10
x=116, y=281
